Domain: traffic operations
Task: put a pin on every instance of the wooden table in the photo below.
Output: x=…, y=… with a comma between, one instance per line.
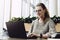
x=57, y=27
x=28, y=25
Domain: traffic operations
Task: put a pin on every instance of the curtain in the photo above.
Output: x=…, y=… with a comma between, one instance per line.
x=1, y=17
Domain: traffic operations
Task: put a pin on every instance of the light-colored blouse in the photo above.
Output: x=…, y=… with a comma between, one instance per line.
x=42, y=28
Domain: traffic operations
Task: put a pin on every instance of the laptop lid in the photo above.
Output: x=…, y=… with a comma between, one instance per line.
x=16, y=29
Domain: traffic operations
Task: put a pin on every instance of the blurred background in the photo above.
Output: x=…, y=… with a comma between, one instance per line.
x=24, y=9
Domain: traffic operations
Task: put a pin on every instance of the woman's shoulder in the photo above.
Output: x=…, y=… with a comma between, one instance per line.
x=51, y=21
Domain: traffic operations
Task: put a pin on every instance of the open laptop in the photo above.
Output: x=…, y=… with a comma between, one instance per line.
x=16, y=29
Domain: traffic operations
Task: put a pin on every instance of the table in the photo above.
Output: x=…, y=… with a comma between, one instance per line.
x=52, y=39
x=29, y=39
x=22, y=39
x=6, y=37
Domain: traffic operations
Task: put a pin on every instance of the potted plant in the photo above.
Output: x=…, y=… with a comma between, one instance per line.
x=29, y=20
x=14, y=21
x=54, y=18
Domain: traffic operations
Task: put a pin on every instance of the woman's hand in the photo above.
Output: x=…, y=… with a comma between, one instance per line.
x=45, y=36
x=29, y=35
x=33, y=35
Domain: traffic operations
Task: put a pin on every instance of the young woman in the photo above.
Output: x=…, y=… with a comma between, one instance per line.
x=43, y=25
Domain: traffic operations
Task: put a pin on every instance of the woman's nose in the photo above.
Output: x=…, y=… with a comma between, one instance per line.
x=38, y=13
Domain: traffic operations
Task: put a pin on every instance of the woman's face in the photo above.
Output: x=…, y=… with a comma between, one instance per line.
x=40, y=11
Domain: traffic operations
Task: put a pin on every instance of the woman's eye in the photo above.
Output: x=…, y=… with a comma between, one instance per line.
x=38, y=10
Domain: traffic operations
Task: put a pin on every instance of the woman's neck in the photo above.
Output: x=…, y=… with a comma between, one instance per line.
x=41, y=20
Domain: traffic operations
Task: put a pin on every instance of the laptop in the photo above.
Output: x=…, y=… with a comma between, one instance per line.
x=16, y=29
x=57, y=35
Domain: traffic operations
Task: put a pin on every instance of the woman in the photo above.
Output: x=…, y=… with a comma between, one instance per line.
x=43, y=25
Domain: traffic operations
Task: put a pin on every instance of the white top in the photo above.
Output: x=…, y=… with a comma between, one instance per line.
x=42, y=28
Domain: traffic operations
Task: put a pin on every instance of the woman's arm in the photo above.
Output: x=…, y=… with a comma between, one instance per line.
x=52, y=29
x=31, y=29
x=30, y=33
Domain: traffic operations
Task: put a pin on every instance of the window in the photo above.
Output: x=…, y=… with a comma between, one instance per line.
x=1, y=16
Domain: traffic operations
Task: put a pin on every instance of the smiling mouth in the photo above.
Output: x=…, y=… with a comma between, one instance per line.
x=39, y=14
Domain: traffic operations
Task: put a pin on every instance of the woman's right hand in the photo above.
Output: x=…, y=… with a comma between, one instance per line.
x=30, y=35
x=33, y=35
